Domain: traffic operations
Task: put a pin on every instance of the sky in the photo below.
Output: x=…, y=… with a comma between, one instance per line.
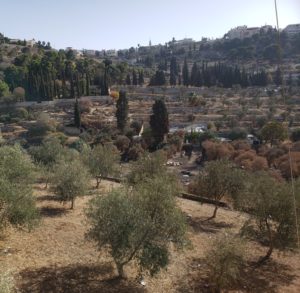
x=119, y=24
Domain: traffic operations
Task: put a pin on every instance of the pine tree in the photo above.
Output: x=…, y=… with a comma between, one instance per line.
x=159, y=121
x=134, y=78
x=77, y=116
x=122, y=111
x=185, y=73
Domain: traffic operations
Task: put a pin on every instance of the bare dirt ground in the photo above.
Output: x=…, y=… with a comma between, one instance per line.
x=56, y=258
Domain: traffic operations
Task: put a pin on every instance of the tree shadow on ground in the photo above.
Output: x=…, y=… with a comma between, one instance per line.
x=266, y=278
x=52, y=212
x=75, y=279
x=203, y=226
x=47, y=198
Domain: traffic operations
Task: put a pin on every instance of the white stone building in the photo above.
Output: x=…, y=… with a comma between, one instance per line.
x=292, y=29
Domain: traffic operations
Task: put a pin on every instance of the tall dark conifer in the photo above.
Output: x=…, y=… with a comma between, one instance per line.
x=77, y=116
x=122, y=111
x=134, y=78
x=185, y=73
x=159, y=121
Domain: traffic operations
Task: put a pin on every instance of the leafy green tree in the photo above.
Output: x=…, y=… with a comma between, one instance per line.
x=273, y=131
x=122, y=111
x=138, y=224
x=77, y=114
x=270, y=204
x=159, y=121
x=148, y=166
x=102, y=161
x=71, y=180
x=17, y=204
x=217, y=179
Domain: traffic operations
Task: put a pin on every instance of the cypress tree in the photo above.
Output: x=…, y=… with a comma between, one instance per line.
x=278, y=78
x=141, y=77
x=172, y=78
x=194, y=73
x=159, y=121
x=77, y=116
x=134, y=78
x=185, y=73
x=128, y=79
x=122, y=111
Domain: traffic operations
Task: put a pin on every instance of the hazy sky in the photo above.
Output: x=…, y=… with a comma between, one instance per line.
x=99, y=24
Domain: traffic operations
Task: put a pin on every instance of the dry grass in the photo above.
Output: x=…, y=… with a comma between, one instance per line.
x=55, y=257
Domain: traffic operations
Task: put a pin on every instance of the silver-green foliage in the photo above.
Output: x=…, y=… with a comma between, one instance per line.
x=139, y=223
x=17, y=204
x=271, y=207
x=102, y=161
x=71, y=179
x=225, y=260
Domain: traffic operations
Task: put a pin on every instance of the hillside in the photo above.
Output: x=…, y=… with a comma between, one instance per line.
x=36, y=72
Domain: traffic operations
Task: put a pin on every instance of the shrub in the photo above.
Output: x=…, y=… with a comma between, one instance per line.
x=85, y=105
x=225, y=260
x=21, y=113
x=217, y=150
x=19, y=93
x=135, y=152
x=237, y=133
x=122, y=143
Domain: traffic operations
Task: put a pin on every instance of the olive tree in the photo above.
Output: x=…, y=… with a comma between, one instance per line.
x=274, y=131
x=148, y=166
x=17, y=205
x=71, y=180
x=102, y=161
x=217, y=179
x=138, y=223
x=271, y=207
x=46, y=156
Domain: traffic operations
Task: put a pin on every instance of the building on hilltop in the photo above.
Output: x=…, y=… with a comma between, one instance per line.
x=111, y=53
x=30, y=43
x=242, y=32
x=292, y=29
